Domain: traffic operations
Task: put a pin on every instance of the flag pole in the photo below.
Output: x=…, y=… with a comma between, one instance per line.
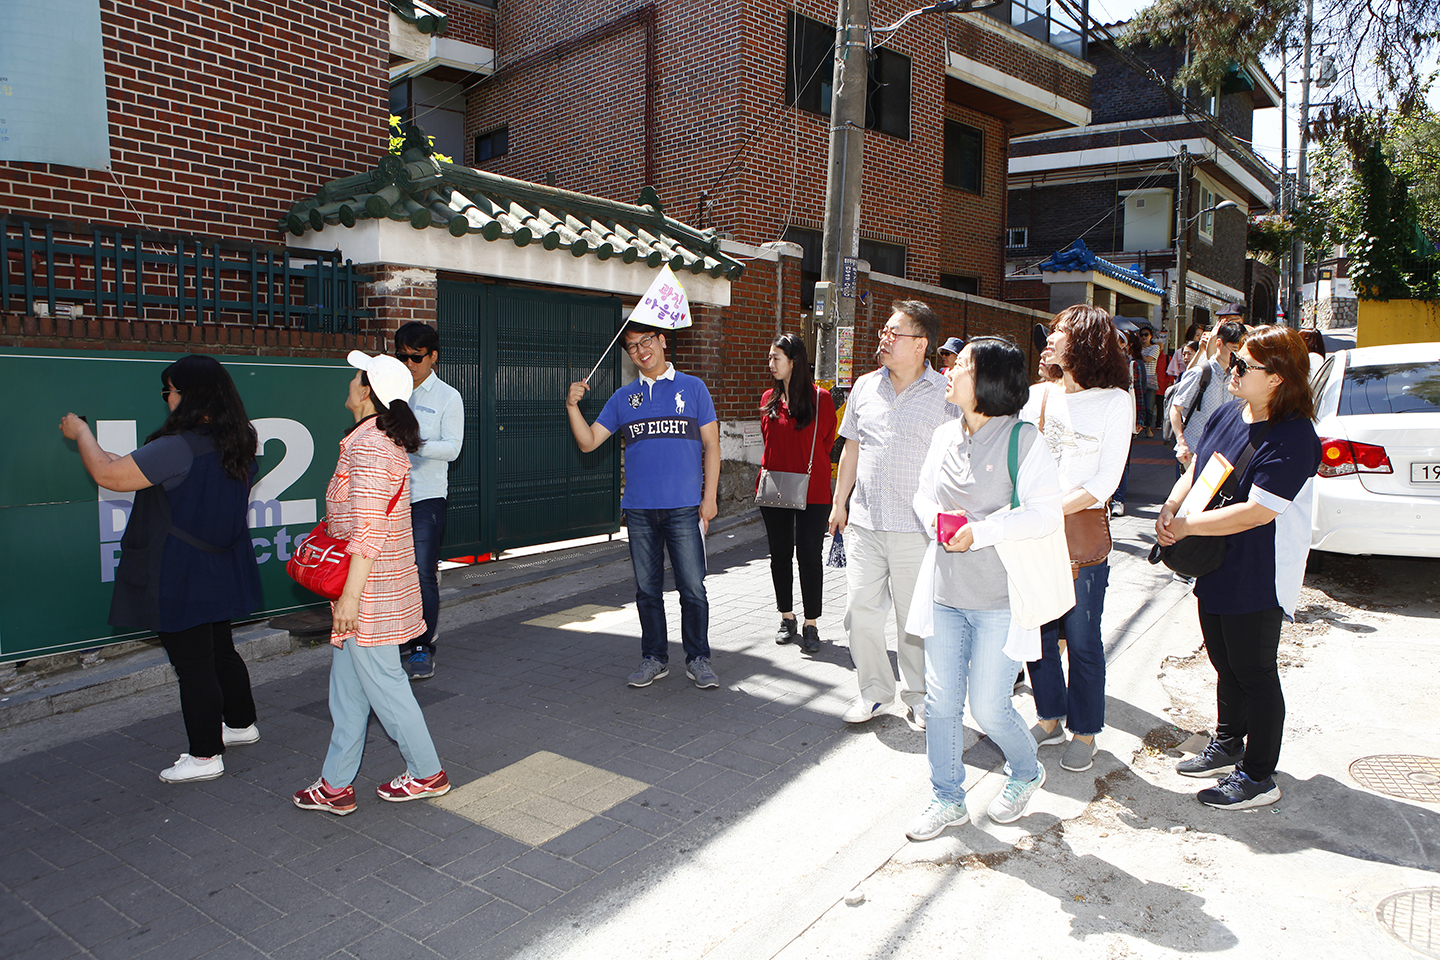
x=604, y=355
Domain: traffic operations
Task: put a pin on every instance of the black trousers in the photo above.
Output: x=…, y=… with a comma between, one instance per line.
x=1249, y=705
x=214, y=684
x=797, y=534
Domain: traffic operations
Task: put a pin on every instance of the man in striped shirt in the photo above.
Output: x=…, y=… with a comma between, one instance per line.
x=889, y=419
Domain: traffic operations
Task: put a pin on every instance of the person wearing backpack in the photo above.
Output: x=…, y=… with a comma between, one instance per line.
x=1201, y=391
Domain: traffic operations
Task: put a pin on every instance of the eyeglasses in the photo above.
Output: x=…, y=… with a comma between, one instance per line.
x=1241, y=366
x=404, y=357
x=642, y=344
x=884, y=332
x=165, y=394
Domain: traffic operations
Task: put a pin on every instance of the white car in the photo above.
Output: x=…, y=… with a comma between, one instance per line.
x=1378, y=488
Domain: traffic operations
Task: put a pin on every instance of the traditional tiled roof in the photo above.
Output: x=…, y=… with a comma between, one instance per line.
x=1081, y=259
x=425, y=17
x=431, y=193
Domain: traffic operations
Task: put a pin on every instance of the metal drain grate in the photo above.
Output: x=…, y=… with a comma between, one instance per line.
x=1408, y=777
x=1410, y=915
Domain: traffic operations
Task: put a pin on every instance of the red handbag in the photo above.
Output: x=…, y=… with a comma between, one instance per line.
x=321, y=563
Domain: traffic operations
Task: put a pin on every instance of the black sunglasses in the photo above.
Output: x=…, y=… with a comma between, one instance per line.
x=1240, y=364
x=404, y=357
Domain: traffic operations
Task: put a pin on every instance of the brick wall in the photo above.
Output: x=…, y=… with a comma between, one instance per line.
x=728, y=348
x=89, y=333
x=468, y=23
x=728, y=153
x=222, y=114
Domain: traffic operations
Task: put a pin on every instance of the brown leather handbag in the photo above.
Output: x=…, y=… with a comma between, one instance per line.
x=1087, y=532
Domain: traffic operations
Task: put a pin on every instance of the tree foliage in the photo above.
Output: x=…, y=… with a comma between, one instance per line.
x=1379, y=46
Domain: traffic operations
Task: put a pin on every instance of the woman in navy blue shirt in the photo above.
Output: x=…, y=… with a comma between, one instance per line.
x=1267, y=537
x=187, y=568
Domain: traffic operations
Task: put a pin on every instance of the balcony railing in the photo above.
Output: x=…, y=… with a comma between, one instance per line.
x=123, y=274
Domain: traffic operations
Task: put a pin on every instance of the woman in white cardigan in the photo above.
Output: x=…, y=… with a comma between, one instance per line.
x=972, y=645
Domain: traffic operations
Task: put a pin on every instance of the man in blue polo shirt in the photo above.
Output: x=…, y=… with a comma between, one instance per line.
x=672, y=472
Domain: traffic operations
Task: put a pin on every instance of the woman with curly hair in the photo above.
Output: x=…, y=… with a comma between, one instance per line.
x=1266, y=527
x=187, y=568
x=1086, y=416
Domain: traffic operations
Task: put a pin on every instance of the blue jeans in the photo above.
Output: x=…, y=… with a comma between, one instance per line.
x=1119, y=495
x=967, y=650
x=1081, y=701
x=652, y=534
x=427, y=526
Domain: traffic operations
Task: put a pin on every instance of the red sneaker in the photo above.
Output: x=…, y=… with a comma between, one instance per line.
x=321, y=796
x=406, y=787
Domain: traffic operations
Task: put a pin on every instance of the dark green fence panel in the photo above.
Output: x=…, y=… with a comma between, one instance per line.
x=62, y=533
x=512, y=352
x=542, y=488
x=458, y=320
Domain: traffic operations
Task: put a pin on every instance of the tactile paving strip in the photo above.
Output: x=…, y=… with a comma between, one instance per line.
x=1410, y=915
x=1399, y=775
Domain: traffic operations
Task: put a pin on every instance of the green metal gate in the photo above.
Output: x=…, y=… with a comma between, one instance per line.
x=513, y=352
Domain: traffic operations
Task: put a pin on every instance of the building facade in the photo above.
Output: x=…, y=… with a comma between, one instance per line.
x=1149, y=168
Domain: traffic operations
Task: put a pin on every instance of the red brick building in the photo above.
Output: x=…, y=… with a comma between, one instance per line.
x=723, y=108
x=237, y=133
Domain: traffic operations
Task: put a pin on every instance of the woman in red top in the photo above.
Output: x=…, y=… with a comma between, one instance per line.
x=798, y=423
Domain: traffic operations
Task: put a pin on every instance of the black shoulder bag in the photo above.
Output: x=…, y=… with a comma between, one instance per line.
x=1195, y=556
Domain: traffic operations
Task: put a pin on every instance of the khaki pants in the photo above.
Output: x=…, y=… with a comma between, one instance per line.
x=881, y=568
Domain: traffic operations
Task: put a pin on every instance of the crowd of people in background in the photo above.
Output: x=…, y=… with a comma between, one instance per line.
x=938, y=474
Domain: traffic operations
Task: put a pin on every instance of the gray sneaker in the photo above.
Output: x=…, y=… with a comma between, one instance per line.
x=937, y=816
x=1010, y=804
x=702, y=673
x=1054, y=737
x=648, y=672
x=1079, y=755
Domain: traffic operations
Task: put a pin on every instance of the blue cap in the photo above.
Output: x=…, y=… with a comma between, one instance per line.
x=953, y=345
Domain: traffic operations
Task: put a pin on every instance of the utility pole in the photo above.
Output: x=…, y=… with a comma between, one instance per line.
x=1287, y=193
x=1182, y=258
x=843, y=181
x=1302, y=188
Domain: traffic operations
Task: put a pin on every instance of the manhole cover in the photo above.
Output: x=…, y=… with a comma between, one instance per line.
x=1410, y=915
x=1412, y=778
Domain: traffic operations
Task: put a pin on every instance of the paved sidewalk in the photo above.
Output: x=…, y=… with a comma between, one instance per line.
x=587, y=819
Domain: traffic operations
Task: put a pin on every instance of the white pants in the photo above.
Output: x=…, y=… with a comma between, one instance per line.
x=881, y=567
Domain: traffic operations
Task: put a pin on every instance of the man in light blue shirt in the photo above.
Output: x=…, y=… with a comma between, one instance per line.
x=441, y=414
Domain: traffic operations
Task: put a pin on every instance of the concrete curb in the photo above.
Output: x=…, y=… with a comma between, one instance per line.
x=136, y=671
x=127, y=674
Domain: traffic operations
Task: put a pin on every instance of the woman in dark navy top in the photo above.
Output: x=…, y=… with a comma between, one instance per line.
x=1267, y=537
x=797, y=421
x=187, y=567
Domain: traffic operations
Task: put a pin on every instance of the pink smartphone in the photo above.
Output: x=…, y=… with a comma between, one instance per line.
x=946, y=525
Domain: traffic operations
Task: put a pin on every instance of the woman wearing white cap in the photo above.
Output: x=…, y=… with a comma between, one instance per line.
x=368, y=503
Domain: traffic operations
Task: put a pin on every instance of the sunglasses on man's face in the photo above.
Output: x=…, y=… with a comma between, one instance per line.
x=404, y=357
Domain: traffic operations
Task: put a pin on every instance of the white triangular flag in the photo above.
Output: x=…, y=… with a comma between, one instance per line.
x=664, y=304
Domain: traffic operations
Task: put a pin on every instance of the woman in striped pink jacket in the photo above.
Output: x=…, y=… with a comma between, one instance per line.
x=368, y=503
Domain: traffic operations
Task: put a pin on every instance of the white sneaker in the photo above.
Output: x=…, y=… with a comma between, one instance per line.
x=1117, y=508
x=861, y=710
x=1009, y=805
x=917, y=716
x=189, y=769
x=239, y=736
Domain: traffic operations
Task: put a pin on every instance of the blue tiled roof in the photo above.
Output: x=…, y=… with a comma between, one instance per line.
x=1081, y=259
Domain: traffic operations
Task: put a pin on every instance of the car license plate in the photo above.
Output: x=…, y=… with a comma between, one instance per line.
x=1425, y=472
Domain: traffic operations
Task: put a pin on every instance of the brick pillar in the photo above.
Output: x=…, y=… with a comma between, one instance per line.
x=397, y=295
